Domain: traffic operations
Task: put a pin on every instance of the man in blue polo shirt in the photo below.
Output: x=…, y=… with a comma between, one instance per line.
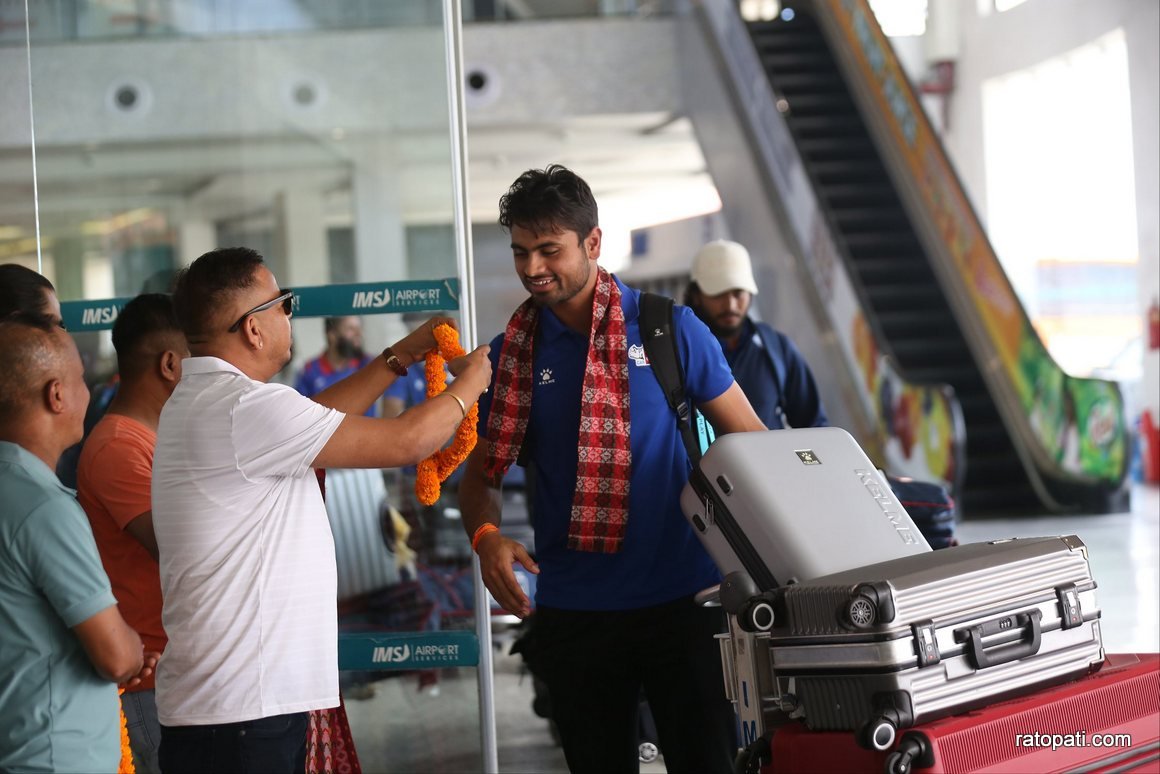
x=618, y=564
x=63, y=643
x=343, y=356
x=770, y=369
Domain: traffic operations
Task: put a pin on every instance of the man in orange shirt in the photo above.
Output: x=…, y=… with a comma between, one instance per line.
x=114, y=485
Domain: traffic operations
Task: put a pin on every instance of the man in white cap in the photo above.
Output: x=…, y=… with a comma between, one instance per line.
x=770, y=369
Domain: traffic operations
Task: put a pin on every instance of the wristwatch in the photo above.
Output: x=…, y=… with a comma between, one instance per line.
x=393, y=362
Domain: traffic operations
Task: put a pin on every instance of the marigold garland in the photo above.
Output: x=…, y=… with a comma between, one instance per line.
x=126, y=765
x=434, y=470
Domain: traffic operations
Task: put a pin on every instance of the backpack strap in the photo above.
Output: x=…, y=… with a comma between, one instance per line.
x=658, y=334
x=776, y=362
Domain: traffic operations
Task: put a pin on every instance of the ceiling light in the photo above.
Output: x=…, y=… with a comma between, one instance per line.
x=759, y=10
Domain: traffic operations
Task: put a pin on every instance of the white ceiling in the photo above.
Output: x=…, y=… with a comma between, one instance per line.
x=650, y=158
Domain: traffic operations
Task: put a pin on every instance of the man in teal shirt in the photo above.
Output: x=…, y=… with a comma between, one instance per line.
x=63, y=644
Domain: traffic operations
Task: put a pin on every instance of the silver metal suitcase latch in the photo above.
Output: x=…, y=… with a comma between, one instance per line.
x=925, y=643
x=1070, y=610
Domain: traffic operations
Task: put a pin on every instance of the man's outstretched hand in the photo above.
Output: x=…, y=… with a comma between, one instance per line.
x=497, y=554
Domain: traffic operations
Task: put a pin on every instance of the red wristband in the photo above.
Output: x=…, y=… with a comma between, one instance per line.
x=484, y=529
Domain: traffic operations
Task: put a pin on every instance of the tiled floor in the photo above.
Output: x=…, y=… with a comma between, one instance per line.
x=403, y=729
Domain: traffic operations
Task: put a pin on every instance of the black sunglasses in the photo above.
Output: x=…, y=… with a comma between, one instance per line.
x=286, y=299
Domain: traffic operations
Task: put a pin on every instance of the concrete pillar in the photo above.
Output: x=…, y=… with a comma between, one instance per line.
x=380, y=244
x=299, y=258
x=68, y=260
x=195, y=237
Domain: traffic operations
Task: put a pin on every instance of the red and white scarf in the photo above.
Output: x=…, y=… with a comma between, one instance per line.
x=604, y=467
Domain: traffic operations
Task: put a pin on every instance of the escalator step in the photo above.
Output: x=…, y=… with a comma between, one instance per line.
x=897, y=239
x=909, y=263
x=781, y=57
x=843, y=147
x=904, y=320
x=986, y=440
x=936, y=328
x=870, y=220
x=821, y=126
x=847, y=171
x=911, y=291
x=952, y=375
x=980, y=405
x=946, y=349
x=778, y=31
x=847, y=124
x=818, y=104
x=805, y=82
x=860, y=195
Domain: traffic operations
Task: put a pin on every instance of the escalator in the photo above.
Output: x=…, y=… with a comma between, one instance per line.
x=918, y=293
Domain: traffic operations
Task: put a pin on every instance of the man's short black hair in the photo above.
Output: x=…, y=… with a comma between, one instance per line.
x=549, y=200
x=692, y=291
x=203, y=288
x=22, y=290
x=146, y=316
x=692, y=298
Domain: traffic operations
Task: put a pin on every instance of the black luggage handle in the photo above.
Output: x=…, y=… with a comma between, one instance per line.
x=1028, y=644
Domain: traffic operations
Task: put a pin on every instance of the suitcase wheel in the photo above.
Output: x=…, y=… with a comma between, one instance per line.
x=878, y=734
x=861, y=612
x=760, y=617
x=897, y=763
x=914, y=750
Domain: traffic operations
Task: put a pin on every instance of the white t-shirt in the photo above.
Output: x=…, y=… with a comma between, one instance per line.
x=247, y=558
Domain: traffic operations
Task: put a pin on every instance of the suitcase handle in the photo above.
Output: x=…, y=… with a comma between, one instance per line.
x=1028, y=644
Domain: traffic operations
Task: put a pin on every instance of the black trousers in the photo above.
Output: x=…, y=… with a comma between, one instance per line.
x=595, y=664
x=274, y=744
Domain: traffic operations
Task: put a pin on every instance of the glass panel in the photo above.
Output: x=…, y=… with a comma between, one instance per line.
x=317, y=133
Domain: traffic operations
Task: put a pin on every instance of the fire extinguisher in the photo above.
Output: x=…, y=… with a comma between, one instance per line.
x=1154, y=325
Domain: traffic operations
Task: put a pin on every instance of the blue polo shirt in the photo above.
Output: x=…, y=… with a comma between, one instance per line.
x=661, y=559
x=56, y=712
x=412, y=388
x=794, y=400
x=318, y=374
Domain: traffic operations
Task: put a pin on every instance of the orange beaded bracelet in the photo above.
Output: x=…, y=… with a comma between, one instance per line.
x=484, y=529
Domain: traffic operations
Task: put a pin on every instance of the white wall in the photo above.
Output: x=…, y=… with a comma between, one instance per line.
x=1039, y=30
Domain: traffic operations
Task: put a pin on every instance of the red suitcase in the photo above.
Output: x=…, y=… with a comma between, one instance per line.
x=1106, y=722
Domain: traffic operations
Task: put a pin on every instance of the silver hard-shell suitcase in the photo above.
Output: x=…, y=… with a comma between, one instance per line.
x=890, y=645
x=788, y=505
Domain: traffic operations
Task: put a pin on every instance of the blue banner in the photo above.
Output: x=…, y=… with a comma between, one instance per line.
x=318, y=301
x=408, y=650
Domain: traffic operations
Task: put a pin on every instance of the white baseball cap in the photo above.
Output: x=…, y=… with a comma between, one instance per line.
x=721, y=266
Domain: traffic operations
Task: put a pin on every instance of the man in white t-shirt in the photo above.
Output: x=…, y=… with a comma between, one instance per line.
x=246, y=554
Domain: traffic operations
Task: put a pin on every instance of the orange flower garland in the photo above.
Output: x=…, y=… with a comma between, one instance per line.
x=126, y=766
x=434, y=470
